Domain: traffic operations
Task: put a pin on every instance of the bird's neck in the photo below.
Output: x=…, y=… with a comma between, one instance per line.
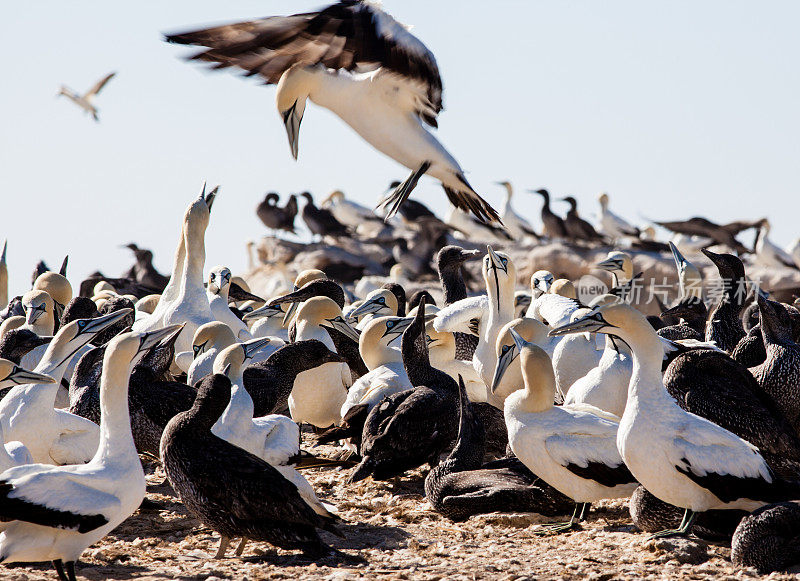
x=241, y=404
x=646, y=382
x=116, y=440
x=381, y=355
x=453, y=285
x=195, y=255
x=178, y=266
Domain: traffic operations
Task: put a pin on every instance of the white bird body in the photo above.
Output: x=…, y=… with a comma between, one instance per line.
x=186, y=302
x=612, y=225
x=86, y=101
x=677, y=456
x=99, y=495
x=794, y=252
x=273, y=438
x=770, y=254
x=519, y=228
x=372, y=387
x=269, y=327
x=605, y=386
x=27, y=412
x=573, y=358
x=222, y=312
x=550, y=439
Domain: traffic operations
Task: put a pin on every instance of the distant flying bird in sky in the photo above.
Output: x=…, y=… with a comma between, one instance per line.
x=86, y=101
x=360, y=63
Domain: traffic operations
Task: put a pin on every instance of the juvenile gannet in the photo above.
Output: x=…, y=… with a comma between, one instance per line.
x=219, y=282
x=724, y=325
x=571, y=447
x=54, y=436
x=413, y=426
x=278, y=218
x=143, y=271
x=554, y=227
x=379, y=347
x=679, y=457
x=57, y=512
x=229, y=489
x=577, y=227
x=86, y=101
x=449, y=263
x=462, y=486
x=516, y=225
x=719, y=234
x=356, y=60
x=612, y=225
x=321, y=222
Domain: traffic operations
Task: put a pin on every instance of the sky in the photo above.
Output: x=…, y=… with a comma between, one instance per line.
x=674, y=108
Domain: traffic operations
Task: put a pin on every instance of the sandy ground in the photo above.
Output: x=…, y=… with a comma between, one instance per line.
x=391, y=525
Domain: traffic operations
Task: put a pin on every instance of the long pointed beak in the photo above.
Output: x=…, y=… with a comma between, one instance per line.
x=677, y=256
x=263, y=312
x=291, y=120
x=497, y=262
x=254, y=346
x=507, y=356
x=340, y=325
x=33, y=315
x=21, y=376
x=591, y=323
x=367, y=308
x=289, y=313
x=610, y=264
x=398, y=329
x=152, y=338
x=95, y=326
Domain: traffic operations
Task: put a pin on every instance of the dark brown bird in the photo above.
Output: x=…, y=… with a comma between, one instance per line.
x=554, y=226
x=577, y=227
x=276, y=218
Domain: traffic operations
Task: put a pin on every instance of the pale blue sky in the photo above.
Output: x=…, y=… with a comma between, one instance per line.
x=674, y=108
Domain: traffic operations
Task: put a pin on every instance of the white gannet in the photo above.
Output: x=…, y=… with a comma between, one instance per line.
x=605, y=386
x=499, y=275
x=360, y=63
x=39, y=312
x=442, y=353
x=571, y=447
x=690, y=279
x=318, y=394
x=575, y=356
x=508, y=373
x=186, y=302
x=208, y=341
x=679, y=457
x=769, y=254
x=517, y=226
x=86, y=101
x=219, y=283
x=620, y=265
x=379, y=303
x=541, y=281
x=367, y=284
x=58, y=511
x=54, y=436
x=358, y=218
x=612, y=225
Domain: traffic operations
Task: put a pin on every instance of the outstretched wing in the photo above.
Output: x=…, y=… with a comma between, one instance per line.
x=98, y=86
x=351, y=35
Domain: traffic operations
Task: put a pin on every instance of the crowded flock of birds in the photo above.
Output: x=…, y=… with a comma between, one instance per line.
x=518, y=399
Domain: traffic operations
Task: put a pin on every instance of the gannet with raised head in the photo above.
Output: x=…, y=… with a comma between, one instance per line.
x=219, y=283
x=86, y=101
x=679, y=457
x=57, y=512
x=324, y=56
x=612, y=225
x=54, y=436
x=571, y=447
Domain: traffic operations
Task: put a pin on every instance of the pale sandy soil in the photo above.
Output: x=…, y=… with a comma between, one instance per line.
x=391, y=525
